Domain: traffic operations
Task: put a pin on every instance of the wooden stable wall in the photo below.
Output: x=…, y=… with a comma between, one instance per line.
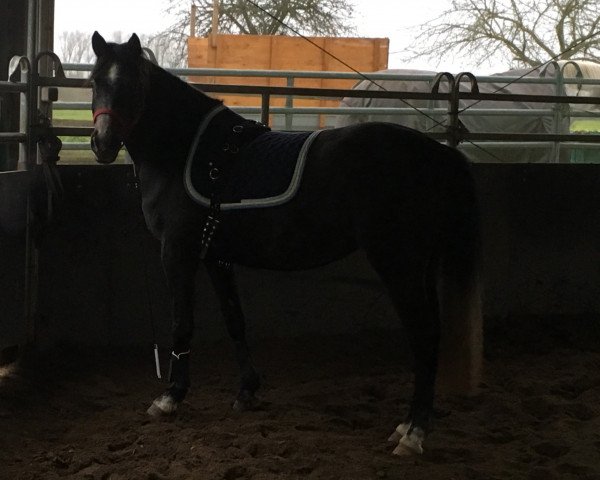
x=101, y=280
x=267, y=52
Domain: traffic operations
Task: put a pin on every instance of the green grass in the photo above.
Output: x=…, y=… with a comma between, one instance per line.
x=78, y=157
x=73, y=118
x=77, y=115
x=84, y=157
x=585, y=125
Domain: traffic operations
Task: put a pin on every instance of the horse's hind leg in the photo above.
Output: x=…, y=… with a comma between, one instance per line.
x=407, y=269
x=222, y=277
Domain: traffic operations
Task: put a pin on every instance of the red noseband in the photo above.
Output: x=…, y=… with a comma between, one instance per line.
x=125, y=125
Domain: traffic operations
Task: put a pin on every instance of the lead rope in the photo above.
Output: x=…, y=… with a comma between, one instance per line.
x=151, y=312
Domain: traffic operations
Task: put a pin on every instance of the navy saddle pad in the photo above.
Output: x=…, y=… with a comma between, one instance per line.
x=262, y=169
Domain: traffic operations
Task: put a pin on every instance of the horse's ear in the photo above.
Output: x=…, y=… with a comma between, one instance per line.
x=134, y=45
x=99, y=45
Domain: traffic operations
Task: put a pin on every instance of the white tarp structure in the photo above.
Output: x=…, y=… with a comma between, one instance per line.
x=482, y=116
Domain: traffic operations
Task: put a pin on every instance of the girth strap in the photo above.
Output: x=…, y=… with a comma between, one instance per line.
x=239, y=134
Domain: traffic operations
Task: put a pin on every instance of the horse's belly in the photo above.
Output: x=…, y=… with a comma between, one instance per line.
x=288, y=260
x=285, y=244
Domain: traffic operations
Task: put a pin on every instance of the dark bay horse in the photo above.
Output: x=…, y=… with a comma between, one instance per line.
x=408, y=201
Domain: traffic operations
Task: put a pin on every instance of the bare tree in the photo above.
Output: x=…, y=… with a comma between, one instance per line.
x=74, y=47
x=309, y=17
x=524, y=33
x=165, y=55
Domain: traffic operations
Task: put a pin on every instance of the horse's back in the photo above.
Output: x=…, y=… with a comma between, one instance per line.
x=376, y=143
x=384, y=159
x=371, y=177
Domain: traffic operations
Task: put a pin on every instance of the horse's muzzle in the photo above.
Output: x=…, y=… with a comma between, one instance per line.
x=105, y=147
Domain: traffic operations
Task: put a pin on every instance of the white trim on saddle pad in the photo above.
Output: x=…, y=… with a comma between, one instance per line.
x=273, y=201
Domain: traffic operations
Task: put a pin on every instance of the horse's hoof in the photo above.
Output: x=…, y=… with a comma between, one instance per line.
x=245, y=402
x=411, y=443
x=162, y=406
x=403, y=451
x=399, y=432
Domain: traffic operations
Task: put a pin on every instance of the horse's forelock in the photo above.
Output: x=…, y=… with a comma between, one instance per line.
x=119, y=60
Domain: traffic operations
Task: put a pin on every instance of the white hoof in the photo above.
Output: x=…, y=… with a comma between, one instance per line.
x=411, y=443
x=162, y=406
x=399, y=432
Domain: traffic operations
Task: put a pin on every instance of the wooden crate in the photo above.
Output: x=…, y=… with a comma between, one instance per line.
x=267, y=52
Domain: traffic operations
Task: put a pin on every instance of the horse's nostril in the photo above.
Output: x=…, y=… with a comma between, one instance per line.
x=93, y=142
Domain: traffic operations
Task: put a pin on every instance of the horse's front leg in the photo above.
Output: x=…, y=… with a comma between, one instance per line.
x=180, y=258
x=223, y=280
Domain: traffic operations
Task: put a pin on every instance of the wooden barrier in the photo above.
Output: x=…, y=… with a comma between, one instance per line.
x=278, y=52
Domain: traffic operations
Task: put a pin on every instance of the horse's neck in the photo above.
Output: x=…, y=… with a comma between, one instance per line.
x=160, y=142
x=179, y=104
x=172, y=112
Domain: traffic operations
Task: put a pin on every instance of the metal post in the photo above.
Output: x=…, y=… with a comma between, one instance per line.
x=456, y=126
x=215, y=23
x=556, y=108
x=27, y=105
x=289, y=103
x=453, y=118
x=32, y=82
x=264, y=111
x=31, y=28
x=193, y=21
x=451, y=130
x=23, y=119
x=557, y=118
x=28, y=163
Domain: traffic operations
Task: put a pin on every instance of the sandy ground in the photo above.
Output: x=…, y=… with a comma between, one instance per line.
x=328, y=407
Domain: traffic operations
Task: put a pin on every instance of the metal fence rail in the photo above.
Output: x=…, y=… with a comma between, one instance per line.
x=32, y=85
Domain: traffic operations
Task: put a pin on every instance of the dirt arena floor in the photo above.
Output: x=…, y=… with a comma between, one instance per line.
x=328, y=406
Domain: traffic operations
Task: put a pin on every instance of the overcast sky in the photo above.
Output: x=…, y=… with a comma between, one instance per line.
x=374, y=18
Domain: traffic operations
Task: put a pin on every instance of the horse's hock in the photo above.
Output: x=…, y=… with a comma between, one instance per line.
x=102, y=283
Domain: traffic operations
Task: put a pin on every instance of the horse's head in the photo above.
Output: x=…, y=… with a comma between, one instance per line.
x=117, y=94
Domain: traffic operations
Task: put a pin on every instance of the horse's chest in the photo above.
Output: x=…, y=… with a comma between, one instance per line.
x=164, y=202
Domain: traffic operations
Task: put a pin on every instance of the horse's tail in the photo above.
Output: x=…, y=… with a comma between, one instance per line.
x=459, y=290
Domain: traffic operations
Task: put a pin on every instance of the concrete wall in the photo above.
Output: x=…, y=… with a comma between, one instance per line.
x=13, y=203
x=541, y=237
x=101, y=279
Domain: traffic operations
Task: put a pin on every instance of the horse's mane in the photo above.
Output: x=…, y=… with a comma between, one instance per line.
x=163, y=83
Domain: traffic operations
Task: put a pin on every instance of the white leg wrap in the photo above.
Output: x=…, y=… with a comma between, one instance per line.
x=399, y=432
x=411, y=443
x=163, y=405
